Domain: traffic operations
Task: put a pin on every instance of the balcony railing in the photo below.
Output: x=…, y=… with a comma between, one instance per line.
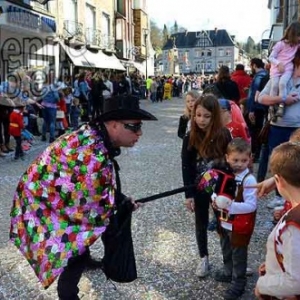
x=73, y=29
x=93, y=37
x=107, y=42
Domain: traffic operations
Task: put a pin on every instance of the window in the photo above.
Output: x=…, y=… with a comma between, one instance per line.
x=209, y=65
x=209, y=53
x=121, y=7
x=228, y=64
x=90, y=23
x=105, y=29
x=228, y=52
x=70, y=10
x=197, y=52
x=221, y=52
x=70, y=17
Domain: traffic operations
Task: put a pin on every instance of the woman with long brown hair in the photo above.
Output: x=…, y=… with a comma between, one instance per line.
x=205, y=143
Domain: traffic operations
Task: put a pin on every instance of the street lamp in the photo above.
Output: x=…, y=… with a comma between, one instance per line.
x=146, y=31
x=215, y=45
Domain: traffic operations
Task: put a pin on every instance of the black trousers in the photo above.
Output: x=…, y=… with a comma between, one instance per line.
x=202, y=202
x=235, y=261
x=67, y=288
x=254, y=130
x=18, y=149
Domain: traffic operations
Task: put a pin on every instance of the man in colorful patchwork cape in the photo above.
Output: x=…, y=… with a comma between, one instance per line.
x=71, y=194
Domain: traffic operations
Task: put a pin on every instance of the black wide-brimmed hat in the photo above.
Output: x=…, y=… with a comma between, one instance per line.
x=124, y=107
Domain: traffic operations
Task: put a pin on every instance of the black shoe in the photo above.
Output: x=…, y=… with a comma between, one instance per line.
x=43, y=139
x=232, y=294
x=92, y=264
x=220, y=276
x=51, y=140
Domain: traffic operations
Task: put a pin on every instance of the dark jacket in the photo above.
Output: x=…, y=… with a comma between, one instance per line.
x=193, y=165
x=259, y=78
x=182, y=126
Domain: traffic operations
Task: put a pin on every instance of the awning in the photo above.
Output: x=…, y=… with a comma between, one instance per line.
x=86, y=58
x=114, y=63
x=140, y=67
x=77, y=56
x=47, y=50
x=97, y=59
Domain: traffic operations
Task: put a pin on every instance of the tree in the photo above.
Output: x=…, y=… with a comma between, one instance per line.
x=251, y=48
x=155, y=35
x=165, y=34
x=175, y=27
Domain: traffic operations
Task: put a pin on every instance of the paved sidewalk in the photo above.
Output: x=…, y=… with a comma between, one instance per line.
x=163, y=231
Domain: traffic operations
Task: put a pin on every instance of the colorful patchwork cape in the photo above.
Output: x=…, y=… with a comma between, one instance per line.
x=63, y=202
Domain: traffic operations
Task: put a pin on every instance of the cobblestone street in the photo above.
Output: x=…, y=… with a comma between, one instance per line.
x=163, y=230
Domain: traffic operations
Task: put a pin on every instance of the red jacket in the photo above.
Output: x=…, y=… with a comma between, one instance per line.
x=243, y=80
x=16, y=123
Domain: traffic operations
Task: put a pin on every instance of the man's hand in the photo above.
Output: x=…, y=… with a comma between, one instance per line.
x=135, y=205
x=291, y=99
x=252, y=117
x=190, y=204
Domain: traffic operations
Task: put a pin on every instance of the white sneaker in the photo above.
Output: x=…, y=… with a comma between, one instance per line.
x=277, y=201
x=202, y=269
x=2, y=154
x=249, y=272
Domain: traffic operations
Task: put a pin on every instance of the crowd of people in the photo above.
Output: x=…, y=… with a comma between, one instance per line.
x=229, y=124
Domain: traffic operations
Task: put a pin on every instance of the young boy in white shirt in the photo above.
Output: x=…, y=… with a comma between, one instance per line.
x=237, y=221
x=280, y=274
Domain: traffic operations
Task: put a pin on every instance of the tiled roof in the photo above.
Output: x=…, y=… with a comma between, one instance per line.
x=188, y=39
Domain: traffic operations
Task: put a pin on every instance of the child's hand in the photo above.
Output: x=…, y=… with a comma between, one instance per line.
x=190, y=204
x=280, y=67
x=278, y=213
x=264, y=187
x=262, y=269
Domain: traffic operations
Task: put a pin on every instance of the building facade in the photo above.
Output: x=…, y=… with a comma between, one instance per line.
x=282, y=13
x=85, y=36
x=24, y=31
x=65, y=36
x=200, y=52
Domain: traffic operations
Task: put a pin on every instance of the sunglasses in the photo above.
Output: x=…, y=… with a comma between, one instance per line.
x=136, y=127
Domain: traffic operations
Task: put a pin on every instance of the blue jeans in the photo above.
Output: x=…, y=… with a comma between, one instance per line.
x=49, y=116
x=153, y=96
x=279, y=135
x=263, y=162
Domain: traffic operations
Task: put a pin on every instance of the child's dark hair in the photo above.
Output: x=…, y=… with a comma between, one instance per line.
x=239, y=145
x=285, y=162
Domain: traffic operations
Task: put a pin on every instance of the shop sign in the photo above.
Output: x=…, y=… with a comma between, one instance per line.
x=27, y=19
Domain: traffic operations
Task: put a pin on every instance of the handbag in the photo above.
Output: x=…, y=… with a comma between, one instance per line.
x=263, y=135
x=119, y=259
x=60, y=114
